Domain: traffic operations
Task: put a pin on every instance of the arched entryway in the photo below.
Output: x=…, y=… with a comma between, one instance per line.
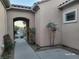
x=27, y=25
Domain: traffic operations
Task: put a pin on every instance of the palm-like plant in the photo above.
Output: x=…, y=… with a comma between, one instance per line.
x=32, y=32
x=52, y=27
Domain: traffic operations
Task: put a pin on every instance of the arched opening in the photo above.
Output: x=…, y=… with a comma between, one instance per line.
x=25, y=21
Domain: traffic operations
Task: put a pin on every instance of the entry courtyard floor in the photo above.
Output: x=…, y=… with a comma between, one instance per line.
x=24, y=51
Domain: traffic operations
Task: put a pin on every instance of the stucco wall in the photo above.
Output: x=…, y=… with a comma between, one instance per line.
x=71, y=30
x=3, y=24
x=19, y=13
x=48, y=13
x=37, y=26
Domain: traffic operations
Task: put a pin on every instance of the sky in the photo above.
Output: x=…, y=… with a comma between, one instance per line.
x=24, y=2
x=19, y=24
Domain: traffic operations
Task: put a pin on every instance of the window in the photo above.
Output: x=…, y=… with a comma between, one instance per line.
x=70, y=16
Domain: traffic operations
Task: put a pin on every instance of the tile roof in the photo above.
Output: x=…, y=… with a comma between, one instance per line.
x=20, y=7
x=6, y=3
x=66, y=3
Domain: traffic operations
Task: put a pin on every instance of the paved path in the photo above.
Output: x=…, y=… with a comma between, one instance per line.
x=57, y=54
x=24, y=51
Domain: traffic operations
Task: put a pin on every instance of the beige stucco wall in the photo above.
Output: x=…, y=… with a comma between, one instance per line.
x=3, y=24
x=37, y=26
x=48, y=13
x=71, y=30
x=19, y=13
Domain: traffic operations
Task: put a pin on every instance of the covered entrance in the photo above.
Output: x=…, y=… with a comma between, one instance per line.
x=26, y=22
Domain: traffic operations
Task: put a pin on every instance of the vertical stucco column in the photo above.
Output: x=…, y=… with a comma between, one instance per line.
x=3, y=25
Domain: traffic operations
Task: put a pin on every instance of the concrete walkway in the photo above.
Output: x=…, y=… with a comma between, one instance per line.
x=24, y=51
x=57, y=54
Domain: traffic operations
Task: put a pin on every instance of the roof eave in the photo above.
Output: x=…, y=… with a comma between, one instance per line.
x=5, y=3
x=65, y=4
x=13, y=8
x=40, y=2
x=35, y=7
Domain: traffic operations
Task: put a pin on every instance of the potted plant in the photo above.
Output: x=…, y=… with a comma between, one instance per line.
x=52, y=28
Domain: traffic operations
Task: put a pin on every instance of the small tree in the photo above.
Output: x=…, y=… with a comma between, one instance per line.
x=52, y=27
x=32, y=32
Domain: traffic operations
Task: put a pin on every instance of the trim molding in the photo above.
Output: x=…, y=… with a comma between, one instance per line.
x=62, y=46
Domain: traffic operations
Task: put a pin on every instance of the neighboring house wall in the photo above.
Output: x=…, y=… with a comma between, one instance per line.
x=19, y=13
x=3, y=24
x=48, y=13
x=71, y=30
